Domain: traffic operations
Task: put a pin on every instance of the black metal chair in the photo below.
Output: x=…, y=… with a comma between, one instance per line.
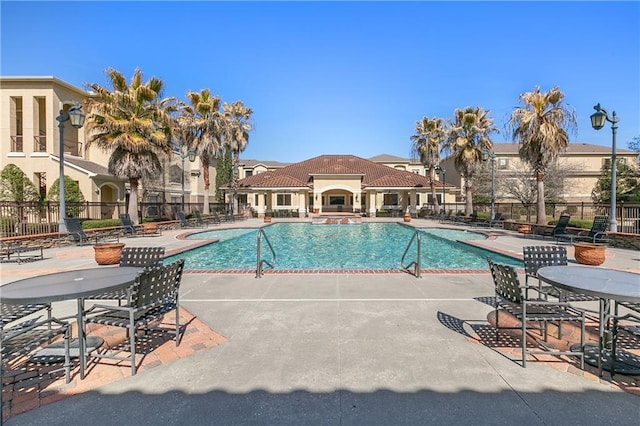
x=199, y=220
x=129, y=228
x=624, y=322
x=74, y=229
x=142, y=257
x=154, y=294
x=16, y=252
x=533, y=313
x=21, y=333
x=596, y=234
x=558, y=230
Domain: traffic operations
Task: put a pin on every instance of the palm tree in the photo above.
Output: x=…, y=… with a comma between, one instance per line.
x=540, y=127
x=133, y=122
x=236, y=138
x=467, y=138
x=426, y=144
x=207, y=127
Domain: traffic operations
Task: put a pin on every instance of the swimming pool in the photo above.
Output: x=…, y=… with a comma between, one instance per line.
x=367, y=246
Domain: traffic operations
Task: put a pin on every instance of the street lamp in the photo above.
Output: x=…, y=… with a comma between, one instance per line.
x=490, y=155
x=191, y=154
x=75, y=115
x=440, y=170
x=598, y=119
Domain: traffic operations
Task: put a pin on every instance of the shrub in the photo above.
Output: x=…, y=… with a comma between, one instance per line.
x=100, y=223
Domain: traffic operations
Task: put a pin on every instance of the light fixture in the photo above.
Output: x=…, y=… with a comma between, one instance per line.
x=598, y=119
x=75, y=115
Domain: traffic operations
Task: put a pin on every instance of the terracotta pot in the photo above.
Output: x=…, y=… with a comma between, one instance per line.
x=108, y=254
x=267, y=219
x=589, y=254
x=150, y=228
x=407, y=217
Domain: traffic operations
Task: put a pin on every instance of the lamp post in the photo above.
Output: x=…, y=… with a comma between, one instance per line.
x=75, y=115
x=490, y=155
x=191, y=154
x=441, y=171
x=598, y=119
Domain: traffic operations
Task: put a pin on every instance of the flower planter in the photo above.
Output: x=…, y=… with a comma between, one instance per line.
x=267, y=219
x=150, y=228
x=407, y=217
x=108, y=254
x=589, y=253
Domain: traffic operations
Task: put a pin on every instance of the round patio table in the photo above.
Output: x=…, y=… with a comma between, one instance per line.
x=607, y=285
x=77, y=284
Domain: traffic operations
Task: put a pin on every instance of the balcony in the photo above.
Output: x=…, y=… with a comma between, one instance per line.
x=16, y=143
x=39, y=144
x=72, y=147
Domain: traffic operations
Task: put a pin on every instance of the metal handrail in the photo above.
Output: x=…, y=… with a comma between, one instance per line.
x=416, y=263
x=260, y=262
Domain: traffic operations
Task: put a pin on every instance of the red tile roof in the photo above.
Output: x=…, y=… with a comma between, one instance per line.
x=301, y=174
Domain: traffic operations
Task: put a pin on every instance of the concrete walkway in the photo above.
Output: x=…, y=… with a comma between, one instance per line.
x=340, y=349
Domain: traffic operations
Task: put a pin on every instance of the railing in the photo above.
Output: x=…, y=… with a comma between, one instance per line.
x=16, y=143
x=415, y=263
x=259, y=261
x=39, y=144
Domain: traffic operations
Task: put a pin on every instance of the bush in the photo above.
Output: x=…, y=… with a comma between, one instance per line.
x=155, y=219
x=100, y=223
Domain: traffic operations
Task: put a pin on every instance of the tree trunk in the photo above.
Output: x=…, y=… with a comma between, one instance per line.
x=468, y=207
x=432, y=174
x=205, y=178
x=133, y=201
x=541, y=213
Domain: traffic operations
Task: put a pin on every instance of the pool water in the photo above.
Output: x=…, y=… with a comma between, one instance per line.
x=366, y=246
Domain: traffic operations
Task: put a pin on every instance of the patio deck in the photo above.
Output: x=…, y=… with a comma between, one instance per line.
x=333, y=349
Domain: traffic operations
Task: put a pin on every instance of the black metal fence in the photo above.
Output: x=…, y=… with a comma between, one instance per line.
x=40, y=218
x=31, y=218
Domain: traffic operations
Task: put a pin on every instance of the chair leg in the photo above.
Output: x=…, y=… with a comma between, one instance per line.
x=614, y=344
x=67, y=357
x=177, y=325
x=523, y=321
x=132, y=343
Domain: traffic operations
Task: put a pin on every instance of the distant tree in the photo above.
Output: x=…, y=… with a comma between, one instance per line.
x=16, y=186
x=634, y=145
x=224, y=170
x=72, y=195
x=467, y=137
x=427, y=144
x=627, y=184
x=540, y=127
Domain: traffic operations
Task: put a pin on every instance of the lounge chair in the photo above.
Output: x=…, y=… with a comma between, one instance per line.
x=74, y=229
x=184, y=223
x=596, y=234
x=199, y=220
x=129, y=228
x=16, y=252
x=558, y=230
x=497, y=220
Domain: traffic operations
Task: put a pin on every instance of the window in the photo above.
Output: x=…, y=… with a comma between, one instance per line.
x=335, y=200
x=16, y=125
x=390, y=199
x=283, y=199
x=503, y=164
x=255, y=199
x=607, y=162
x=416, y=171
x=248, y=173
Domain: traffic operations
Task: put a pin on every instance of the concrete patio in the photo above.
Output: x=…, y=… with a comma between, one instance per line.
x=341, y=349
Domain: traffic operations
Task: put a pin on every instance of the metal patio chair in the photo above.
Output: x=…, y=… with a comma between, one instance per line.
x=74, y=229
x=630, y=322
x=533, y=313
x=597, y=233
x=129, y=228
x=154, y=293
x=21, y=333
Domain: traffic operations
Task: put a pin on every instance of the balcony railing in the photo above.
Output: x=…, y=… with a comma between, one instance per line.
x=16, y=143
x=39, y=144
x=72, y=148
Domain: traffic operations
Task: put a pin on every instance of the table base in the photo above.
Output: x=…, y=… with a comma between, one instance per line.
x=54, y=353
x=626, y=362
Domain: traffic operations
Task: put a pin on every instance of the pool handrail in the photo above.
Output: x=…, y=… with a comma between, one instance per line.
x=259, y=261
x=417, y=262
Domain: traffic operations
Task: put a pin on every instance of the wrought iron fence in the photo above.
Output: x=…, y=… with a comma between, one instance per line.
x=31, y=218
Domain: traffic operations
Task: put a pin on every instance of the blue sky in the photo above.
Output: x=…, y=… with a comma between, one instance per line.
x=345, y=77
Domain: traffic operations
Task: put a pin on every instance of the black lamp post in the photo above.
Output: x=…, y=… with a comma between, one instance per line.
x=191, y=155
x=75, y=115
x=486, y=156
x=441, y=171
x=598, y=120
